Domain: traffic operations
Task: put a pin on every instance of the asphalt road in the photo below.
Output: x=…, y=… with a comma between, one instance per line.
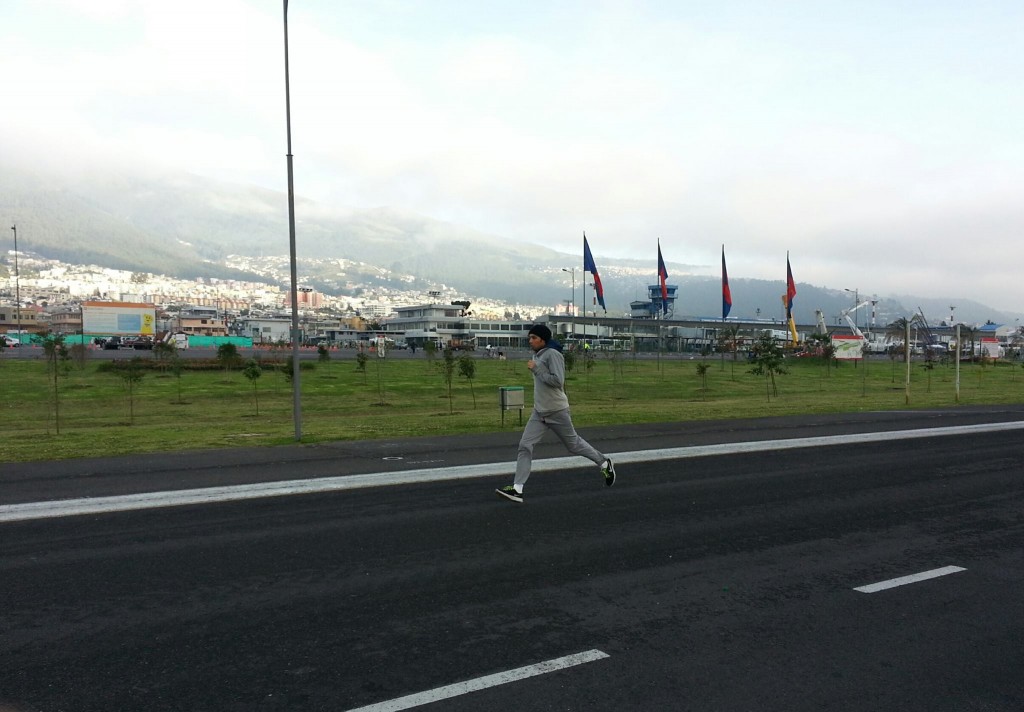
x=720, y=582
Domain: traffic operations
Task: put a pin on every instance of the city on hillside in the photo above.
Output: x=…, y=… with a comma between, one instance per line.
x=106, y=306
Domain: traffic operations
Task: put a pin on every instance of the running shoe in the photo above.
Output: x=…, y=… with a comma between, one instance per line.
x=510, y=493
x=608, y=470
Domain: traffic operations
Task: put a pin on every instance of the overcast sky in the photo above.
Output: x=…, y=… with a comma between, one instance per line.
x=881, y=143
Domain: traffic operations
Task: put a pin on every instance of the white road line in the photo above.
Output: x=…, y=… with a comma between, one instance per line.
x=913, y=578
x=208, y=495
x=482, y=683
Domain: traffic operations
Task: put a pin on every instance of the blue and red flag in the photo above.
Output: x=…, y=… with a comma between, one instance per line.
x=790, y=289
x=726, y=294
x=663, y=280
x=589, y=266
x=788, y=298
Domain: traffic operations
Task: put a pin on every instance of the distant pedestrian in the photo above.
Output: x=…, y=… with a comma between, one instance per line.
x=550, y=413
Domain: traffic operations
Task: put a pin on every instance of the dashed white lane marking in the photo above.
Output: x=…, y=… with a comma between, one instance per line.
x=209, y=495
x=904, y=580
x=481, y=683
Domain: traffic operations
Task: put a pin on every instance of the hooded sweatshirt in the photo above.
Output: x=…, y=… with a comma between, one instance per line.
x=548, y=381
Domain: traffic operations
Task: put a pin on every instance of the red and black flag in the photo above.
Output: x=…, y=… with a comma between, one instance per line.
x=726, y=294
x=663, y=280
x=589, y=266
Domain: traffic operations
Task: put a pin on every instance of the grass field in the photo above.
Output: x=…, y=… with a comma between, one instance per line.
x=93, y=414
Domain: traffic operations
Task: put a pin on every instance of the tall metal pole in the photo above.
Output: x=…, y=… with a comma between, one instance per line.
x=957, y=380
x=574, y=293
x=17, y=282
x=906, y=354
x=572, y=271
x=584, y=300
x=296, y=382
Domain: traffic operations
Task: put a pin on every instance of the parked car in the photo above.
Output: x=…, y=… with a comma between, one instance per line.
x=10, y=341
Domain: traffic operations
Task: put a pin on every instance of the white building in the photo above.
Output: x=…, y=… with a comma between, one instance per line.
x=265, y=329
x=455, y=326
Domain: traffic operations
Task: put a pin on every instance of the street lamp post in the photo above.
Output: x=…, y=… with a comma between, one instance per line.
x=17, y=283
x=572, y=271
x=296, y=387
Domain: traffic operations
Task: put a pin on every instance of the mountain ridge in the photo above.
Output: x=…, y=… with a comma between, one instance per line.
x=186, y=226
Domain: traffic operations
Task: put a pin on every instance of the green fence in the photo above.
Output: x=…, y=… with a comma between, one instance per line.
x=194, y=342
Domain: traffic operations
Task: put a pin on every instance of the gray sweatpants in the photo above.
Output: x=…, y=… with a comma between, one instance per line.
x=561, y=425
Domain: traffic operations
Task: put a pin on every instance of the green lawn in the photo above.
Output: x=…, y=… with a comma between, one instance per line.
x=408, y=397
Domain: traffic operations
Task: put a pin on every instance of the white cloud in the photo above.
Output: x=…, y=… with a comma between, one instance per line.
x=879, y=144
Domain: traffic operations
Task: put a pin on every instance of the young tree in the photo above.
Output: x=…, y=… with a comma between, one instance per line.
x=618, y=363
x=176, y=366
x=57, y=358
x=430, y=349
x=361, y=361
x=702, y=371
x=380, y=381
x=728, y=340
x=828, y=355
x=323, y=354
x=467, y=369
x=163, y=353
x=448, y=372
x=570, y=360
x=768, y=361
x=131, y=375
x=252, y=371
x=79, y=355
x=288, y=369
x=897, y=332
x=929, y=366
x=820, y=344
x=589, y=360
x=227, y=356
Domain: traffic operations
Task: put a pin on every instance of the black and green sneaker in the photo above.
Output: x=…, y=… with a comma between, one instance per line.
x=608, y=470
x=510, y=493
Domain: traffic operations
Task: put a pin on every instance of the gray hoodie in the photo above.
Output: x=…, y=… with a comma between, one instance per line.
x=548, y=382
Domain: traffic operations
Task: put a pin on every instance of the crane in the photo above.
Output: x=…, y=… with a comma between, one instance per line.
x=853, y=325
x=932, y=345
x=822, y=329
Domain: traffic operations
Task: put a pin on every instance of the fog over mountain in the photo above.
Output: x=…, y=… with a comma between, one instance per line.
x=185, y=226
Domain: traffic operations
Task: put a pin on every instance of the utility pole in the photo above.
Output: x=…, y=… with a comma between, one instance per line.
x=572, y=271
x=296, y=375
x=17, y=282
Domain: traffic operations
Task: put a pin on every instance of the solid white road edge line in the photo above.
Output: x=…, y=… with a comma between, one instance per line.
x=208, y=495
x=912, y=578
x=481, y=683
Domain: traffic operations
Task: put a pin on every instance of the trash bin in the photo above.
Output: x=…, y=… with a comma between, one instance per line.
x=511, y=398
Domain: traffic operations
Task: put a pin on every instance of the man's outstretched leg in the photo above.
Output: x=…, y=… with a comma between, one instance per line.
x=533, y=433
x=561, y=424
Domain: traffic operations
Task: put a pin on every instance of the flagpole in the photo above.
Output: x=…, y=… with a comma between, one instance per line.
x=661, y=314
x=721, y=339
x=584, y=300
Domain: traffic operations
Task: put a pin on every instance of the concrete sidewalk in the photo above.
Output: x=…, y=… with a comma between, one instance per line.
x=131, y=474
